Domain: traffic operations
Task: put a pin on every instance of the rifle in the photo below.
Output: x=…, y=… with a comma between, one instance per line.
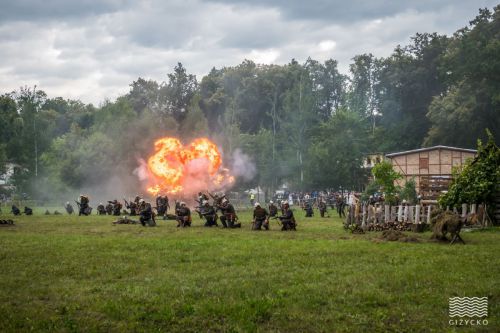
x=78, y=204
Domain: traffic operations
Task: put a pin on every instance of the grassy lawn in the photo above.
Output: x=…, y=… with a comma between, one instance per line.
x=83, y=274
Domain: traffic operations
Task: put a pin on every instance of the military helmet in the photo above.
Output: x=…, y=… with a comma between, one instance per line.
x=257, y=205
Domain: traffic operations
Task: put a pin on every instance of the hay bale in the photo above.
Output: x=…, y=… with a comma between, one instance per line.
x=444, y=223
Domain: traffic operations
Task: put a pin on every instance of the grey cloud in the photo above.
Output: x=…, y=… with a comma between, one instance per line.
x=347, y=11
x=38, y=10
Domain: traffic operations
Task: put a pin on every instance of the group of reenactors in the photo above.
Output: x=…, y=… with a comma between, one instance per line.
x=220, y=210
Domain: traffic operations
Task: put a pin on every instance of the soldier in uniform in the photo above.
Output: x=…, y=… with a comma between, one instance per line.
x=116, y=207
x=100, y=209
x=273, y=209
x=287, y=219
x=162, y=205
x=109, y=208
x=228, y=218
x=28, y=211
x=208, y=212
x=340, y=206
x=309, y=210
x=69, y=208
x=183, y=215
x=146, y=214
x=260, y=218
x=132, y=205
x=84, y=206
x=322, y=207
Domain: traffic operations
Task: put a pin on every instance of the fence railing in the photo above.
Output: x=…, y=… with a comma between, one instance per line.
x=364, y=214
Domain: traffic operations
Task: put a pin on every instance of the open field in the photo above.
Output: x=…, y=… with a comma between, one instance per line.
x=83, y=274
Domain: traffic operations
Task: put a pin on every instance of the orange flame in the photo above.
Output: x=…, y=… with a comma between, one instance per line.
x=172, y=168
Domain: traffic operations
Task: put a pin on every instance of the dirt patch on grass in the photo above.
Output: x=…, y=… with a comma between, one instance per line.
x=396, y=235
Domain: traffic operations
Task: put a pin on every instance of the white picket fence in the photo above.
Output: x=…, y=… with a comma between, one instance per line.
x=405, y=213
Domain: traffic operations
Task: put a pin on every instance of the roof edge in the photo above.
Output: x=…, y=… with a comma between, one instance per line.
x=431, y=148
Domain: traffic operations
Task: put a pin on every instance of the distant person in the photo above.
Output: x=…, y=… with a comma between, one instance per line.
x=260, y=218
x=15, y=210
x=68, y=208
x=252, y=199
x=28, y=211
x=84, y=206
x=322, y=207
x=162, y=205
x=183, y=215
x=273, y=209
x=101, y=210
x=309, y=209
x=228, y=218
x=287, y=219
x=208, y=212
x=109, y=208
x=116, y=207
x=146, y=214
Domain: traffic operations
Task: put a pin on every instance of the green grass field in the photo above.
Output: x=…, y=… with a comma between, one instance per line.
x=83, y=274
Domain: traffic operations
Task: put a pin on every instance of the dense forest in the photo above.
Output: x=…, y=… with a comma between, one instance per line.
x=305, y=124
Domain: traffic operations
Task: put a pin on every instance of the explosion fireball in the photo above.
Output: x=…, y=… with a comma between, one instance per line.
x=174, y=168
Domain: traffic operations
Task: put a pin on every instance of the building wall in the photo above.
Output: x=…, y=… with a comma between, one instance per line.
x=438, y=162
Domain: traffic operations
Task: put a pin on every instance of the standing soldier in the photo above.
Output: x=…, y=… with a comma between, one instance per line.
x=183, y=216
x=341, y=206
x=309, y=210
x=84, y=205
x=100, y=209
x=69, y=208
x=252, y=199
x=228, y=218
x=109, y=208
x=132, y=205
x=322, y=207
x=117, y=207
x=162, y=205
x=208, y=212
x=273, y=209
x=146, y=214
x=260, y=218
x=287, y=219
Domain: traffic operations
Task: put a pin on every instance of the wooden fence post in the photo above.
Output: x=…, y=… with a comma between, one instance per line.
x=429, y=214
x=464, y=211
x=473, y=209
x=410, y=217
x=400, y=213
x=417, y=213
x=387, y=213
x=363, y=223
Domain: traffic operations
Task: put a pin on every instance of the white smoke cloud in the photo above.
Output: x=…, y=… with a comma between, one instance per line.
x=242, y=165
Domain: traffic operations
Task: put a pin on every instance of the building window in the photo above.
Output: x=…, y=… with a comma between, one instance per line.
x=424, y=163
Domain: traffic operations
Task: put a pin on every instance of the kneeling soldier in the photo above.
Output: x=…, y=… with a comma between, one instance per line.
x=287, y=219
x=260, y=218
x=183, y=216
x=146, y=214
x=208, y=212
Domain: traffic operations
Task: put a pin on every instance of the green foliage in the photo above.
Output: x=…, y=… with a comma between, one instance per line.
x=385, y=176
x=408, y=191
x=477, y=180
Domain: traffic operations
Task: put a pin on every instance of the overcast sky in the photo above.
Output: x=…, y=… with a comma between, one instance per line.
x=93, y=49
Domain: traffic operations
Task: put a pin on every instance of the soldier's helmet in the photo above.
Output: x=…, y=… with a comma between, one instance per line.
x=67, y=203
x=205, y=202
x=271, y=202
x=256, y=205
x=141, y=201
x=183, y=203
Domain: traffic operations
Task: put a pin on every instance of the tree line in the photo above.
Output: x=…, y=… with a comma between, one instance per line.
x=304, y=124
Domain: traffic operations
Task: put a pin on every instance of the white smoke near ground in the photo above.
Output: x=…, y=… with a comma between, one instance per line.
x=242, y=165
